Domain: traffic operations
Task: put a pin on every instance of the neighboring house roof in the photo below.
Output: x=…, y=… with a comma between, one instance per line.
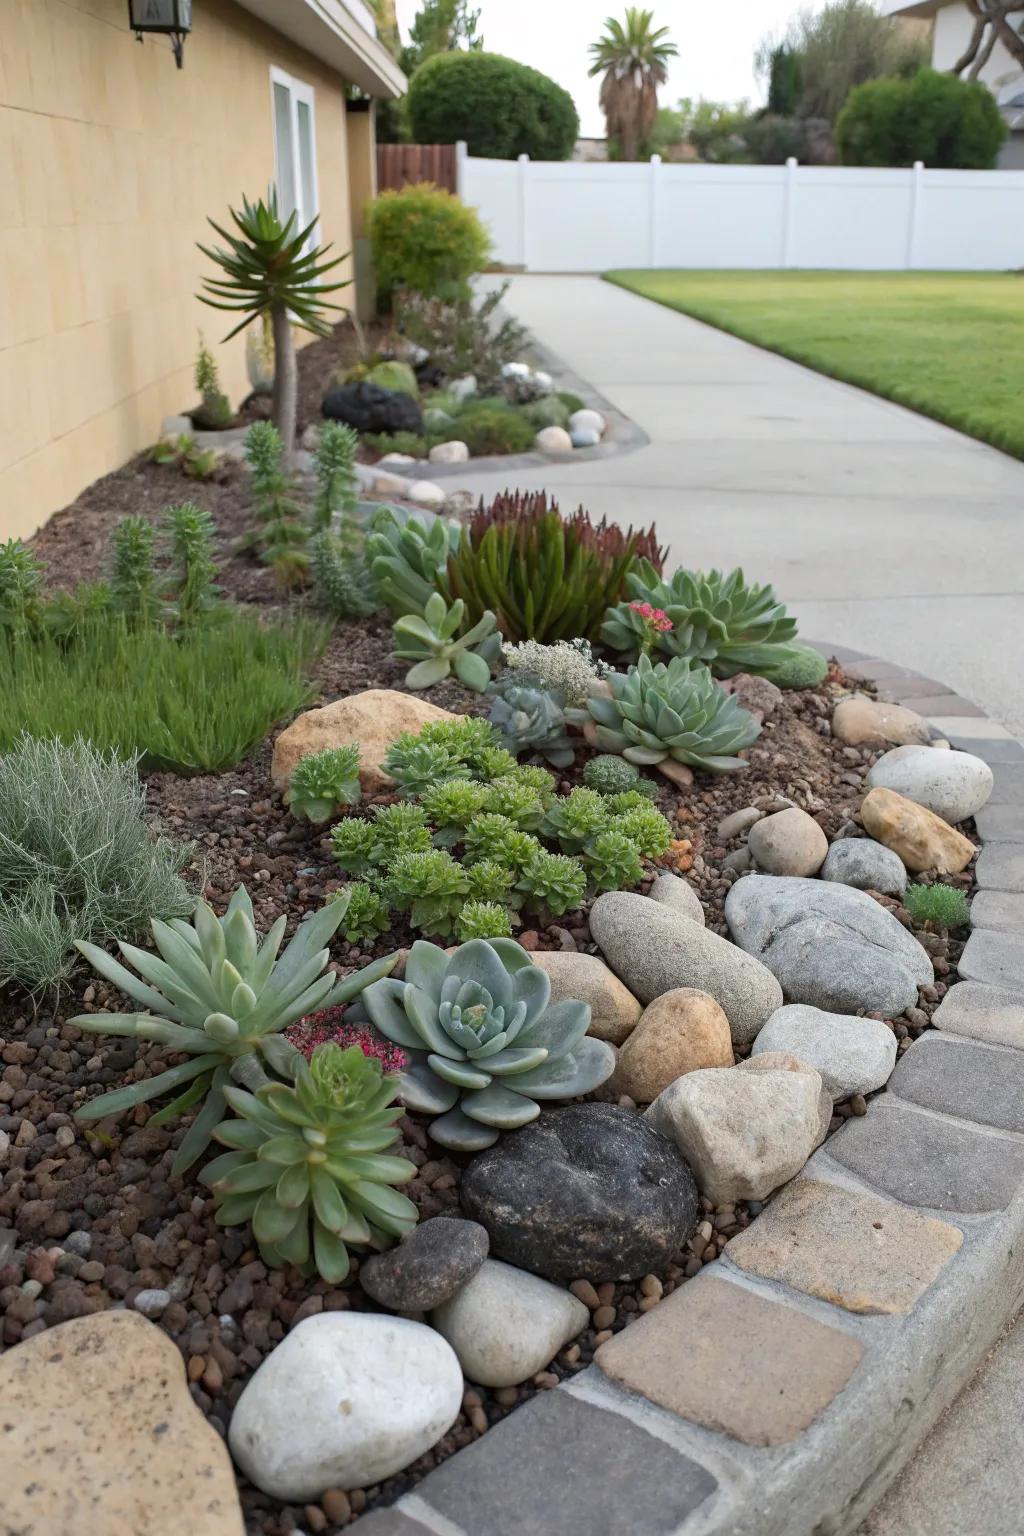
x=340, y=32
x=914, y=7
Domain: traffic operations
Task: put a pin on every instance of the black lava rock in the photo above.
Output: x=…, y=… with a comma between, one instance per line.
x=370, y=408
x=589, y=1192
x=427, y=1267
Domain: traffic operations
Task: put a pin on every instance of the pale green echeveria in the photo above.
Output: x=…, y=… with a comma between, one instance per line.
x=219, y=995
x=716, y=620
x=486, y=1045
x=433, y=642
x=654, y=712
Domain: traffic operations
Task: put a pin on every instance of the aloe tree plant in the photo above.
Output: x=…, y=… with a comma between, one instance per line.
x=272, y=268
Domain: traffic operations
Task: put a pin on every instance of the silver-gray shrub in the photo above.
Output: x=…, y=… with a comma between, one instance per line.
x=77, y=858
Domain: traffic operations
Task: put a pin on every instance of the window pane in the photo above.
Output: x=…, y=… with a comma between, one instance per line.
x=284, y=150
x=305, y=120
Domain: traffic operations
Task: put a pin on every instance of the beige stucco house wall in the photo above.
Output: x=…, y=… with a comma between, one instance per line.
x=110, y=161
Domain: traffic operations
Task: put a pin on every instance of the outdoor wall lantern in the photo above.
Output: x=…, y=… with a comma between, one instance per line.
x=171, y=17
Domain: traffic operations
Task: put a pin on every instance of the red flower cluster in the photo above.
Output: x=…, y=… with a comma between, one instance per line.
x=657, y=618
x=328, y=1027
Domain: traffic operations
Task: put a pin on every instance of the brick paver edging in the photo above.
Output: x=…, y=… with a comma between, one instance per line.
x=780, y=1391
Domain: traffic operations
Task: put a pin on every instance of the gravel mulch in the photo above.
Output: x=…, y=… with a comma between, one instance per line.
x=92, y=1219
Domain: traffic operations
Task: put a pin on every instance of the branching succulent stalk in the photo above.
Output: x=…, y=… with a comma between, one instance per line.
x=306, y=1165
x=334, y=457
x=133, y=584
x=192, y=581
x=322, y=782
x=486, y=1045
x=433, y=643
x=282, y=534
x=222, y=998
x=654, y=712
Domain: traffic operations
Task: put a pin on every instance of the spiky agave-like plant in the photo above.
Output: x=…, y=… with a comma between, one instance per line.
x=218, y=995
x=305, y=1165
x=717, y=620
x=654, y=711
x=485, y=1043
x=273, y=268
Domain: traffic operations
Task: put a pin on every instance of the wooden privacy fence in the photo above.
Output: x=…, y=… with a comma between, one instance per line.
x=400, y=164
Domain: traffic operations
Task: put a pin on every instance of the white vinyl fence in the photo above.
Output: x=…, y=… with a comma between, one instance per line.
x=562, y=216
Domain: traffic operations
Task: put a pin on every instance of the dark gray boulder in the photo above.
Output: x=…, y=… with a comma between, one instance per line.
x=589, y=1192
x=371, y=408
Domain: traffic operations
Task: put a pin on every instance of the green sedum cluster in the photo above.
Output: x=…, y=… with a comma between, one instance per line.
x=481, y=832
x=323, y=781
x=486, y=1045
x=305, y=1164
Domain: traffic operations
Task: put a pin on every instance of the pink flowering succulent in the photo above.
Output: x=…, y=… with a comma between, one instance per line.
x=329, y=1027
x=655, y=622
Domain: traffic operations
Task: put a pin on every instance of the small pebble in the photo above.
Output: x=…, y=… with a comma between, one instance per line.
x=152, y=1303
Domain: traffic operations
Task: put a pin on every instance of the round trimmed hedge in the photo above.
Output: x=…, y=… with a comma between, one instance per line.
x=501, y=108
x=950, y=124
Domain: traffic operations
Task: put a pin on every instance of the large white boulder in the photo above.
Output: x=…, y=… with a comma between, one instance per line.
x=346, y=1400
x=952, y=784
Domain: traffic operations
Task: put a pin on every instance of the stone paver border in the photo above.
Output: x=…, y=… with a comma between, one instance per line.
x=781, y=1398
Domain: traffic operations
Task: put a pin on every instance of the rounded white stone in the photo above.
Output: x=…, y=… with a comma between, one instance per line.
x=397, y=458
x=591, y=420
x=346, y=1400
x=426, y=494
x=505, y=1325
x=553, y=440
x=853, y=1055
x=952, y=784
x=455, y=452
x=584, y=437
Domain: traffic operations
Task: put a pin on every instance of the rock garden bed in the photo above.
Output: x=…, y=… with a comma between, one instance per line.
x=721, y=917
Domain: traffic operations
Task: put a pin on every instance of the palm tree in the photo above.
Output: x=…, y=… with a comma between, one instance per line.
x=633, y=58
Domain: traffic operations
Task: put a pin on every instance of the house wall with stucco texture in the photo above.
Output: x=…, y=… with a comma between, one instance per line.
x=110, y=161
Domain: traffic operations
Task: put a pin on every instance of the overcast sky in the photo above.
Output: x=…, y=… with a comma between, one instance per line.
x=716, y=41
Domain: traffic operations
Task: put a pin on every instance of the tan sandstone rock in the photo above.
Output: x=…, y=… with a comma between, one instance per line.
x=372, y=719
x=788, y=843
x=614, y=1011
x=681, y=1031
x=106, y=1438
x=782, y=1061
x=859, y=720
x=922, y=839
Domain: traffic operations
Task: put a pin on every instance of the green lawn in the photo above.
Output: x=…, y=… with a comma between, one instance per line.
x=948, y=344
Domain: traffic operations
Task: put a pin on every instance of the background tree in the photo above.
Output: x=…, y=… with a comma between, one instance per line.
x=843, y=45
x=440, y=26
x=992, y=24
x=501, y=108
x=270, y=268
x=946, y=122
x=632, y=56
x=785, y=80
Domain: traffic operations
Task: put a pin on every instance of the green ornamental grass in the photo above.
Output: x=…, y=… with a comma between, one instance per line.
x=77, y=858
x=940, y=906
x=192, y=703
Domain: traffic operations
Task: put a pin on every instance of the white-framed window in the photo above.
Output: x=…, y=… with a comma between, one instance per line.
x=294, y=110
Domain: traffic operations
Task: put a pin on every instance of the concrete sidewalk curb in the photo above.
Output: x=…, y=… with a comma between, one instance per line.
x=793, y=1413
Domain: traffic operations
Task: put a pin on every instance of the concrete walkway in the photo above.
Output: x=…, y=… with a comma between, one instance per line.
x=880, y=529
x=969, y=1475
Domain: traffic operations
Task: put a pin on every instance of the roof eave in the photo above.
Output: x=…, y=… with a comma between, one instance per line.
x=329, y=31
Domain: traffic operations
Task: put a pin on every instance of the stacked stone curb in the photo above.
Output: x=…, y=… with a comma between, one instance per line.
x=782, y=1390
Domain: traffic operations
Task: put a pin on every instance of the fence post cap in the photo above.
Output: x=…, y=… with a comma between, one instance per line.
x=792, y=162
x=918, y=165
x=655, y=159
x=522, y=159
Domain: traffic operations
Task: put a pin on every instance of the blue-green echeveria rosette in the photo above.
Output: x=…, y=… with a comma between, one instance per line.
x=484, y=1041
